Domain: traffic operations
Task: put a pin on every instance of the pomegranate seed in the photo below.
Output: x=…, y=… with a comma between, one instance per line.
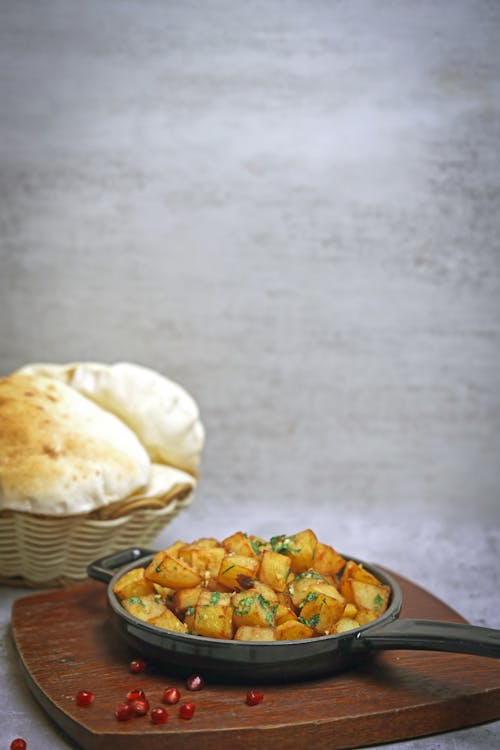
x=123, y=711
x=84, y=698
x=195, y=682
x=171, y=695
x=159, y=715
x=140, y=707
x=137, y=665
x=135, y=695
x=18, y=744
x=254, y=697
x=186, y=711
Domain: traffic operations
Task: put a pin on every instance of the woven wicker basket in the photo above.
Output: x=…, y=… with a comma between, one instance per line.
x=42, y=551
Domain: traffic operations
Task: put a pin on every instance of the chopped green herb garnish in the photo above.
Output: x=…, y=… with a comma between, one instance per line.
x=227, y=569
x=256, y=546
x=215, y=597
x=311, y=622
x=244, y=605
x=378, y=602
x=136, y=600
x=190, y=610
x=282, y=544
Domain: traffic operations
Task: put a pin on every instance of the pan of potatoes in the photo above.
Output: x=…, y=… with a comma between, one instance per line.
x=278, y=609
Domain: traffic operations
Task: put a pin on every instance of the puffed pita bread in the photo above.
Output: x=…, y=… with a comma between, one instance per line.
x=160, y=412
x=61, y=453
x=154, y=420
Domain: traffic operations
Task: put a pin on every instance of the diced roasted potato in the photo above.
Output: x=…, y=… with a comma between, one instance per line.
x=274, y=570
x=301, y=583
x=346, y=623
x=248, y=588
x=169, y=621
x=293, y=630
x=327, y=561
x=236, y=569
x=185, y=598
x=215, y=597
x=174, y=573
x=350, y=610
x=301, y=550
x=370, y=596
x=251, y=608
x=354, y=572
x=249, y=633
x=133, y=583
x=240, y=544
x=206, y=560
x=145, y=607
x=213, y=621
x=320, y=612
x=284, y=613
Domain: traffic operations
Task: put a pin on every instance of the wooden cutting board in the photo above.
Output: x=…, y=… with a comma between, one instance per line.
x=66, y=642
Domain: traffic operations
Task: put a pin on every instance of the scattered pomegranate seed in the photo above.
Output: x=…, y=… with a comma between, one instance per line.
x=171, y=695
x=186, y=711
x=137, y=665
x=140, y=707
x=159, y=715
x=135, y=695
x=18, y=744
x=84, y=698
x=254, y=697
x=195, y=682
x=124, y=711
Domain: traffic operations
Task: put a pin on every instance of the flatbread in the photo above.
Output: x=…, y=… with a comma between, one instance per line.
x=159, y=411
x=60, y=453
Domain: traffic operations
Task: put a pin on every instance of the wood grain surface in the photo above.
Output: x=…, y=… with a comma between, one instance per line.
x=65, y=643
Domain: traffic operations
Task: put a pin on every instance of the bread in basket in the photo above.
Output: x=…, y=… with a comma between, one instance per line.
x=93, y=458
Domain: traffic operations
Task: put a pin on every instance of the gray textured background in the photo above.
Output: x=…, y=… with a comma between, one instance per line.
x=291, y=208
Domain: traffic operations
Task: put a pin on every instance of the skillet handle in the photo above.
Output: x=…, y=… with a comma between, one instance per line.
x=431, y=635
x=104, y=568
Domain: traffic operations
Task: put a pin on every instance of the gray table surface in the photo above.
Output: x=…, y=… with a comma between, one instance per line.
x=459, y=563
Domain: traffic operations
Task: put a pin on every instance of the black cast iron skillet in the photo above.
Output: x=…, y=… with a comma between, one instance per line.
x=282, y=661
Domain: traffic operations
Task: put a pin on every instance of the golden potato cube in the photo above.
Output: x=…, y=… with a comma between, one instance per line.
x=301, y=583
x=215, y=597
x=327, y=561
x=240, y=544
x=213, y=621
x=301, y=550
x=284, y=613
x=329, y=590
x=251, y=608
x=274, y=570
x=206, y=560
x=346, y=623
x=350, y=610
x=364, y=616
x=321, y=612
x=169, y=621
x=207, y=542
x=174, y=548
x=236, y=570
x=174, y=573
x=249, y=633
x=267, y=592
x=133, y=583
x=293, y=630
x=354, y=572
x=185, y=598
x=370, y=596
x=145, y=607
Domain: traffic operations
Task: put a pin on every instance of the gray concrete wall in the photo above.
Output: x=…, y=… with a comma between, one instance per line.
x=292, y=208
